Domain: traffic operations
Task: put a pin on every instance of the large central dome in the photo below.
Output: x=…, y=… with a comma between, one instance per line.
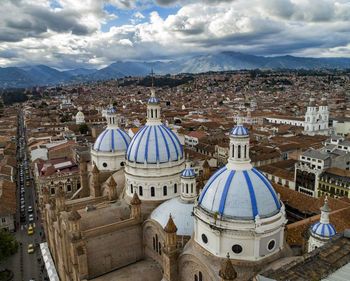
x=154, y=144
x=241, y=194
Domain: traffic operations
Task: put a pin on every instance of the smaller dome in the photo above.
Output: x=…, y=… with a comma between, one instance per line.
x=153, y=100
x=323, y=230
x=188, y=173
x=112, y=140
x=180, y=212
x=111, y=111
x=239, y=131
x=80, y=114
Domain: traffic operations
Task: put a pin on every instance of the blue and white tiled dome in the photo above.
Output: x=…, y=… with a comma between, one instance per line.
x=111, y=111
x=188, y=173
x=239, y=131
x=112, y=140
x=241, y=194
x=153, y=144
x=153, y=100
x=323, y=230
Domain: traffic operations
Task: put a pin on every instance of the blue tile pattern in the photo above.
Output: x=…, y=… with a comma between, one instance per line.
x=112, y=140
x=188, y=173
x=111, y=111
x=153, y=100
x=324, y=230
x=239, y=194
x=153, y=144
x=239, y=131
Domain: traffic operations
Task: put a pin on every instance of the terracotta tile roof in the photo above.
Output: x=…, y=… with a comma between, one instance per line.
x=7, y=198
x=315, y=265
x=306, y=203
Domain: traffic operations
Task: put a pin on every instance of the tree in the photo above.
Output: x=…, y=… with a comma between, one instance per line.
x=8, y=244
x=83, y=128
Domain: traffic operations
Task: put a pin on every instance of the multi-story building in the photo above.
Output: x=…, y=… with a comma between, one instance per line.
x=334, y=182
x=312, y=163
x=53, y=174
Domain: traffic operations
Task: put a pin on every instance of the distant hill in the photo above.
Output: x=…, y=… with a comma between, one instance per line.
x=41, y=75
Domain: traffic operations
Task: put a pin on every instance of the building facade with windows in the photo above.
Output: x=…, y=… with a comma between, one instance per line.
x=335, y=183
x=312, y=163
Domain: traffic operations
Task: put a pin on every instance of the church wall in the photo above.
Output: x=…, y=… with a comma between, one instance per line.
x=189, y=266
x=66, y=151
x=110, y=251
x=108, y=161
x=153, y=231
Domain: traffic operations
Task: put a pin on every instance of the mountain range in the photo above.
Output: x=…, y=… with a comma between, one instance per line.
x=41, y=75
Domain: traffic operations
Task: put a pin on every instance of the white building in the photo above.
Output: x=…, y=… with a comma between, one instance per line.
x=315, y=121
x=79, y=117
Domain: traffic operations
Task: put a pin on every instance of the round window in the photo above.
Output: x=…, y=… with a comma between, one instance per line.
x=122, y=164
x=104, y=164
x=204, y=238
x=237, y=249
x=271, y=245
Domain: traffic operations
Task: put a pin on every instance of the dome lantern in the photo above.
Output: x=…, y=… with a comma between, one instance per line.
x=188, y=184
x=239, y=147
x=322, y=230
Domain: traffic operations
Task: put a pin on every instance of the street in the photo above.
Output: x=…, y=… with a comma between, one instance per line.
x=25, y=265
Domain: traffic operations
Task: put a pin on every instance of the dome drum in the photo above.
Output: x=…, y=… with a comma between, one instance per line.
x=240, y=238
x=153, y=189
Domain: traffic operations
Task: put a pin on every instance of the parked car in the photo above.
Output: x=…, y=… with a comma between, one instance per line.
x=30, y=230
x=22, y=217
x=31, y=218
x=30, y=209
x=30, y=248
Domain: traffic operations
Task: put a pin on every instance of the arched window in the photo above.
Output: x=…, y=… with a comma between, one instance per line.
x=156, y=243
x=152, y=192
x=239, y=152
x=200, y=276
x=160, y=248
x=182, y=188
x=152, y=113
x=165, y=191
x=186, y=187
x=175, y=188
x=156, y=113
x=191, y=187
x=233, y=151
x=195, y=277
x=131, y=189
x=140, y=190
x=245, y=151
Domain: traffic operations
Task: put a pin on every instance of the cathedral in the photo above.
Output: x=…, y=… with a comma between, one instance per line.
x=139, y=214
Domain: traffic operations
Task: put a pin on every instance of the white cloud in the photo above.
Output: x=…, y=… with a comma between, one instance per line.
x=70, y=36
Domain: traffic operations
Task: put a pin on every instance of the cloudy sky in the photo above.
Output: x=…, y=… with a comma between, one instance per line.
x=68, y=34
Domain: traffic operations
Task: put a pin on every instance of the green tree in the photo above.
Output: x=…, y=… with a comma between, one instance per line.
x=8, y=244
x=83, y=128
